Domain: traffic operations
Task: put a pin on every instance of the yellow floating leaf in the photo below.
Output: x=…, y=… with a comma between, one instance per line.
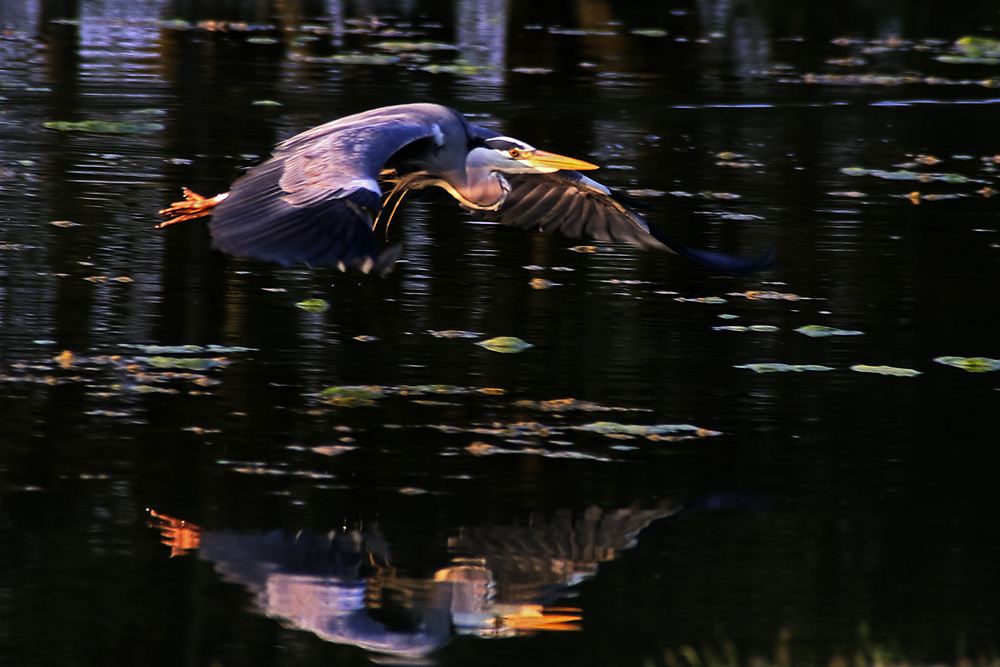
x=971, y=364
x=885, y=370
x=505, y=344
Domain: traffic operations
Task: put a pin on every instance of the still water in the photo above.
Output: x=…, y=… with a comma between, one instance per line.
x=214, y=461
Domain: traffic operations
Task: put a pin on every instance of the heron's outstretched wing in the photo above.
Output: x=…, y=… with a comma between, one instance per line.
x=314, y=199
x=571, y=204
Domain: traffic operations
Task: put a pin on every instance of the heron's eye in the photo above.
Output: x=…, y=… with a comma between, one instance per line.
x=514, y=153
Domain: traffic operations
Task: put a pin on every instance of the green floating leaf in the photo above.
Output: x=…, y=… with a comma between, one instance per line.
x=184, y=363
x=314, y=305
x=978, y=47
x=103, y=126
x=819, y=331
x=971, y=364
x=505, y=344
x=460, y=68
x=784, y=368
x=885, y=370
x=649, y=32
x=905, y=175
x=352, y=396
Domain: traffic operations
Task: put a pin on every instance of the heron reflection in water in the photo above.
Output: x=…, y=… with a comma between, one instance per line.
x=348, y=587
x=319, y=198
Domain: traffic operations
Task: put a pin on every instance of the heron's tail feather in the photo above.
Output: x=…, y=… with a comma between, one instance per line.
x=192, y=206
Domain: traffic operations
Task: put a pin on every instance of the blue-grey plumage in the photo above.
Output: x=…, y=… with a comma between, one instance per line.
x=318, y=197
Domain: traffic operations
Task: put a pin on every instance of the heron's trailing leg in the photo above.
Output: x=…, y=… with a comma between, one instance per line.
x=192, y=206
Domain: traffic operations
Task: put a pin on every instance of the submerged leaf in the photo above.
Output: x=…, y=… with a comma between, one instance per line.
x=819, y=331
x=505, y=344
x=971, y=364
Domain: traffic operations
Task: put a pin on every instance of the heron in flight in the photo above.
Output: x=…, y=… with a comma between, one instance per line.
x=319, y=197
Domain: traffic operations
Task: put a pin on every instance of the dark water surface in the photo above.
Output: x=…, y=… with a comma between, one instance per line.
x=367, y=477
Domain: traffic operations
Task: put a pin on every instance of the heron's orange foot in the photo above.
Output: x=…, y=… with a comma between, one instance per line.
x=181, y=536
x=192, y=206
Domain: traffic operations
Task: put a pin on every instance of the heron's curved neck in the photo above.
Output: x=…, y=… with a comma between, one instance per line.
x=486, y=191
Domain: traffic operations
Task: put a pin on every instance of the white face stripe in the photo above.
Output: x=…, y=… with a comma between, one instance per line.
x=507, y=143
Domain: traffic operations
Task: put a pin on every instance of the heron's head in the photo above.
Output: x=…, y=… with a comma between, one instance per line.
x=513, y=156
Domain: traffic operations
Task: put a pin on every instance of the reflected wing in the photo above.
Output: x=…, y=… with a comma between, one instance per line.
x=571, y=204
x=314, y=200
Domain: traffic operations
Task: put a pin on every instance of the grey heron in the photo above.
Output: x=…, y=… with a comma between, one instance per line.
x=318, y=198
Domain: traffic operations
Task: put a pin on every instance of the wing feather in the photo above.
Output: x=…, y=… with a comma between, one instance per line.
x=315, y=198
x=573, y=205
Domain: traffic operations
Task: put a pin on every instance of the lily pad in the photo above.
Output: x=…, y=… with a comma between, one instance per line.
x=886, y=370
x=820, y=331
x=505, y=344
x=971, y=364
x=103, y=126
x=783, y=368
x=313, y=305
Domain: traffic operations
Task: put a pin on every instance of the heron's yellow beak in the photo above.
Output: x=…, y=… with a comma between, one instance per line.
x=546, y=160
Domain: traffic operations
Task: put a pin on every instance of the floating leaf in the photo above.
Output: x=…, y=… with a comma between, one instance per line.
x=409, y=47
x=752, y=327
x=567, y=404
x=819, y=331
x=613, y=429
x=103, y=126
x=352, y=396
x=649, y=32
x=760, y=295
x=905, y=175
x=455, y=333
x=542, y=283
x=885, y=370
x=186, y=363
x=702, y=299
x=971, y=364
x=783, y=368
x=978, y=46
x=505, y=344
x=314, y=305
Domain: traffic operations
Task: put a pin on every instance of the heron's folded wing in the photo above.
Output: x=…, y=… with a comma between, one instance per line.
x=571, y=204
x=314, y=200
